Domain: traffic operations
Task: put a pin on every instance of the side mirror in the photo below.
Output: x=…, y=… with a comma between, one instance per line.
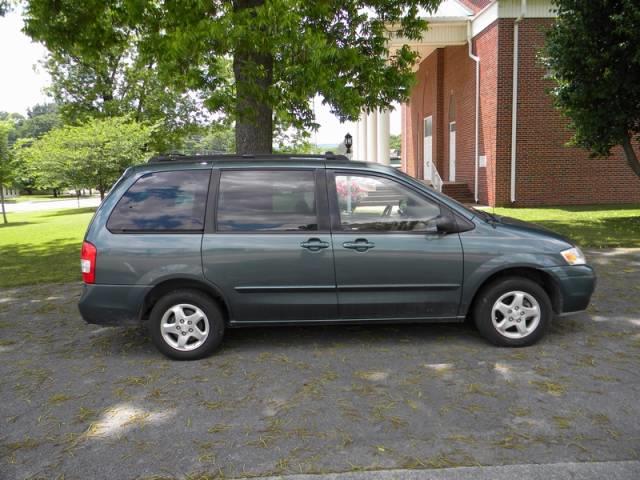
x=446, y=223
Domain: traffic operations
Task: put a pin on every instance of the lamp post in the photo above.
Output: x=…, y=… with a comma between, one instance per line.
x=348, y=143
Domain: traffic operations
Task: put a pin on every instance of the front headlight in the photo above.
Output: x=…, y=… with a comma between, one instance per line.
x=574, y=256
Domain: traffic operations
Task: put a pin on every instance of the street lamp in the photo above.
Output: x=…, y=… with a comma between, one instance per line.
x=348, y=142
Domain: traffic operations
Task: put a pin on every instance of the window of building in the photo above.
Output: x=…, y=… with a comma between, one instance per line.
x=375, y=204
x=172, y=201
x=267, y=201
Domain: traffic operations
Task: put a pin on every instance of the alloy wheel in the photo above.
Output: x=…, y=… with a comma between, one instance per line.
x=184, y=327
x=516, y=314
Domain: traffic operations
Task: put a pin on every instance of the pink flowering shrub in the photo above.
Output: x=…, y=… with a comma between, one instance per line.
x=356, y=192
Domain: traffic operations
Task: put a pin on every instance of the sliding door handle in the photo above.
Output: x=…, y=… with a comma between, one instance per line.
x=315, y=244
x=359, y=245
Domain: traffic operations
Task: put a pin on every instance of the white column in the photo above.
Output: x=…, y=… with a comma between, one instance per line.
x=372, y=137
x=383, y=137
x=360, y=142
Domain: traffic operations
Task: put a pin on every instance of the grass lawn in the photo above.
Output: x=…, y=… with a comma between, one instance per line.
x=44, y=247
x=595, y=226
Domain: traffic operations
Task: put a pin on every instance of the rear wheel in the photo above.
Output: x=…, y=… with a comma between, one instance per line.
x=186, y=325
x=513, y=312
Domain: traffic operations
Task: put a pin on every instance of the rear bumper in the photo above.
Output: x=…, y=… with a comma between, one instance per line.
x=577, y=284
x=112, y=304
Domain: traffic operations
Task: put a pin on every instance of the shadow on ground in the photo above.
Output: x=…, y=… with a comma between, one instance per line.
x=36, y=263
x=93, y=402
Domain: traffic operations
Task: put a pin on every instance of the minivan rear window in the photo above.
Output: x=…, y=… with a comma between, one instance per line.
x=172, y=201
x=264, y=201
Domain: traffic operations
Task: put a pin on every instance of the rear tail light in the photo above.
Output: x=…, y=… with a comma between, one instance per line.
x=88, y=262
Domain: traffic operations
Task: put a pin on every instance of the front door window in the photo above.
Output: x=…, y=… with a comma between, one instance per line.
x=377, y=204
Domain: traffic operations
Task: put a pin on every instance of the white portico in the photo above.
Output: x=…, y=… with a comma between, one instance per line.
x=447, y=26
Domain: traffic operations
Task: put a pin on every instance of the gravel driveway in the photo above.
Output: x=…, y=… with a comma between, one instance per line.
x=100, y=403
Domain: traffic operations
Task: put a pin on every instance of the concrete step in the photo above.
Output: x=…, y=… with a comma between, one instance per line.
x=459, y=191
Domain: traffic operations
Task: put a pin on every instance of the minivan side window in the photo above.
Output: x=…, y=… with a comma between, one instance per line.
x=267, y=201
x=375, y=204
x=172, y=201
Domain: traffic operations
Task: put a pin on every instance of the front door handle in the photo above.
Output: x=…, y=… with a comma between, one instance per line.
x=314, y=244
x=360, y=245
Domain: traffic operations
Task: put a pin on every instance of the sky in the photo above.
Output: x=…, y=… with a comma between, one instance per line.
x=23, y=81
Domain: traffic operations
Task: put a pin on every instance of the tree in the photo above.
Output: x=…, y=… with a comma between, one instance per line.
x=217, y=138
x=40, y=119
x=395, y=143
x=90, y=155
x=7, y=163
x=284, y=52
x=5, y=6
x=593, y=54
x=118, y=82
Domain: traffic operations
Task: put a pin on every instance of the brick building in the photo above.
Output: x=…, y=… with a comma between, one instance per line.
x=462, y=130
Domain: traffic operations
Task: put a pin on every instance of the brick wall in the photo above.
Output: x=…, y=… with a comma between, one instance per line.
x=504, y=90
x=458, y=87
x=547, y=171
x=423, y=102
x=486, y=47
x=447, y=73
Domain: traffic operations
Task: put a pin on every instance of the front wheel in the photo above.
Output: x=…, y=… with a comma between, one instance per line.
x=186, y=325
x=513, y=312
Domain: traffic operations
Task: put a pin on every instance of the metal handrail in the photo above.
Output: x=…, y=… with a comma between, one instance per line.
x=436, y=179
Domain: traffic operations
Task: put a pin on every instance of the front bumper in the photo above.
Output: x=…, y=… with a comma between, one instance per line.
x=577, y=283
x=112, y=304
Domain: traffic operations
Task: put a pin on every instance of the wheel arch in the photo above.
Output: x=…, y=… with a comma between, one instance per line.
x=169, y=285
x=542, y=278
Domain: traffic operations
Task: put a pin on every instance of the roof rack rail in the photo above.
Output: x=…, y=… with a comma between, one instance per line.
x=180, y=157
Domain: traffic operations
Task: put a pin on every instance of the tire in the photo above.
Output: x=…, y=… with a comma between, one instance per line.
x=174, y=336
x=505, y=312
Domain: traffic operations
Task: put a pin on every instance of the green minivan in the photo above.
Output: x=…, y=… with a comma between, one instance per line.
x=195, y=245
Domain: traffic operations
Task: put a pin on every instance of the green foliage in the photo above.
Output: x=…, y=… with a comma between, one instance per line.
x=593, y=54
x=40, y=119
x=5, y=7
x=219, y=138
x=284, y=52
x=108, y=77
x=92, y=155
x=7, y=162
x=395, y=142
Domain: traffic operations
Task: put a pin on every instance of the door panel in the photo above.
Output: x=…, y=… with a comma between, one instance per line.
x=403, y=276
x=390, y=260
x=272, y=277
x=270, y=250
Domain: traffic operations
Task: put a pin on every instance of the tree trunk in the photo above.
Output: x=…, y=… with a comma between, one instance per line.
x=4, y=213
x=101, y=189
x=630, y=155
x=254, y=116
